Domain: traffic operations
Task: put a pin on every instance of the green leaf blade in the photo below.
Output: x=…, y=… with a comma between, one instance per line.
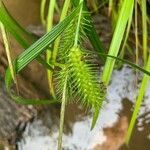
x=124, y=15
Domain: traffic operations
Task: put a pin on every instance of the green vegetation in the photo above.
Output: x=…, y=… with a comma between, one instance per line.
x=67, y=59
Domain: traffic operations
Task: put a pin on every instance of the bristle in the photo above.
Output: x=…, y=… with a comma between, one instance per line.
x=87, y=85
x=82, y=81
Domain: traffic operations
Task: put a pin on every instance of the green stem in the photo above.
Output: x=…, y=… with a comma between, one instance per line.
x=78, y=25
x=62, y=17
x=8, y=54
x=144, y=26
x=56, y=44
x=62, y=115
x=94, y=5
x=48, y=53
x=42, y=11
x=110, y=7
x=136, y=33
x=6, y=44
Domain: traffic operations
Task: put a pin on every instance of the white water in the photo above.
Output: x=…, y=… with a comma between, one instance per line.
x=123, y=85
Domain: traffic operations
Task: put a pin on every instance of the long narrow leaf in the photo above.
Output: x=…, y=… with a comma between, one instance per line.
x=19, y=100
x=22, y=36
x=39, y=46
x=124, y=15
x=31, y=53
x=134, y=66
x=138, y=102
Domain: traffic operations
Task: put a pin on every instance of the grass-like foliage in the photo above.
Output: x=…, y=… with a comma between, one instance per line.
x=82, y=74
x=125, y=15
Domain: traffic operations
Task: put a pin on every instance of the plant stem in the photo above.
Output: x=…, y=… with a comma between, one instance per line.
x=62, y=115
x=94, y=5
x=62, y=17
x=78, y=25
x=42, y=11
x=56, y=45
x=6, y=44
x=110, y=7
x=48, y=54
x=136, y=34
x=144, y=28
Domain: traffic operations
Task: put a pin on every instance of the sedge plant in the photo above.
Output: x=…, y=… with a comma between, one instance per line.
x=80, y=83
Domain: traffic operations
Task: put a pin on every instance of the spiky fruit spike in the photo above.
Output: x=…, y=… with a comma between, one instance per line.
x=86, y=82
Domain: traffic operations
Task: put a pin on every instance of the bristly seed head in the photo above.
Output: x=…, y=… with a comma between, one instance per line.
x=86, y=84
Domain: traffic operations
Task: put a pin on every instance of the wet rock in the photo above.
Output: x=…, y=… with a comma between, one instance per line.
x=12, y=115
x=115, y=136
